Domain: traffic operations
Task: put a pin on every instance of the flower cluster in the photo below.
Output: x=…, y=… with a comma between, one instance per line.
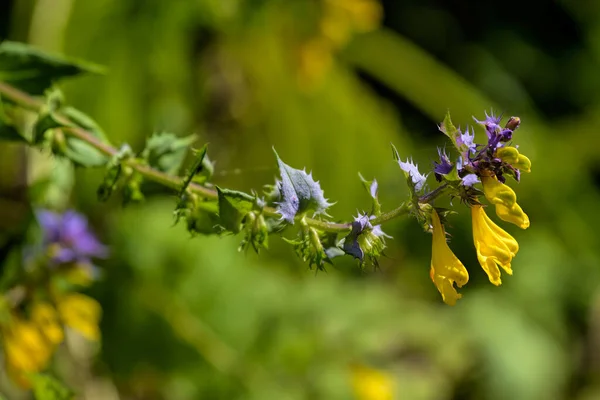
x=34, y=316
x=486, y=165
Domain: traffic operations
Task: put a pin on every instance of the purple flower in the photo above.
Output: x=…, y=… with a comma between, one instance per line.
x=491, y=124
x=364, y=239
x=413, y=171
x=443, y=167
x=467, y=139
x=469, y=180
x=69, y=238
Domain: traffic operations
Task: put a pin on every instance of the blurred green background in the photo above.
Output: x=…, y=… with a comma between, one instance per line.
x=190, y=318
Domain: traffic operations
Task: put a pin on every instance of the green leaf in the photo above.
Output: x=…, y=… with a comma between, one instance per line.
x=198, y=166
x=84, y=155
x=46, y=120
x=372, y=187
x=166, y=151
x=204, y=219
x=84, y=121
x=46, y=387
x=233, y=207
x=34, y=71
x=113, y=173
x=448, y=128
x=299, y=192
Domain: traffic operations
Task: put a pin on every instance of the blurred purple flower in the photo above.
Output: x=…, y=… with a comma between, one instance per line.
x=69, y=237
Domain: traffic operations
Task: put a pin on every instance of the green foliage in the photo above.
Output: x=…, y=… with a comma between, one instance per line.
x=201, y=163
x=234, y=206
x=202, y=71
x=166, y=152
x=35, y=71
x=372, y=189
x=45, y=387
x=448, y=129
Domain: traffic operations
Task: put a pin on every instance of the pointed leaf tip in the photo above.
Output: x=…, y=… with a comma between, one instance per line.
x=298, y=192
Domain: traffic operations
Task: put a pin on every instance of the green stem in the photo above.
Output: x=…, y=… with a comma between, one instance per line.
x=28, y=102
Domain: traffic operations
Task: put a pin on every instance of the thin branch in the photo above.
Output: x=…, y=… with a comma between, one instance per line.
x=174, y=182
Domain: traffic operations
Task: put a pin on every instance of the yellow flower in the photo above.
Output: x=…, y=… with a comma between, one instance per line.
x=44, y=316
x=26, y=350
x=343, y=17
x=315, y=60
x=495, y=248
x=81, y=313
x=446, y=268
x=511, y=156
x=371, y=384
x=505, y=200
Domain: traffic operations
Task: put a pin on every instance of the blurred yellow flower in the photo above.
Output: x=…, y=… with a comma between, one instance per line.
x=371, y=384
x=315, y=59
x=446, y=268
x=81, y=313
x=340, y=20
x=45, y=317
x=505, y=200
x=343, y=17
x=495, y=248
x=26, y=350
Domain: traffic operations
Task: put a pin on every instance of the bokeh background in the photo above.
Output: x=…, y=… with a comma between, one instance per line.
x=330, y=84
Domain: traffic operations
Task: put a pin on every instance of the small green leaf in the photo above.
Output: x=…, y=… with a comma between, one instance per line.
x=132, y=192
x=46, y=120
x=198, y=166
x=372, y=190
x=448, y=129
x=46, y=387
x=201, y=217
x=299, y=193
x=83, y=154
x=233, y=207
x=34, y=71
x=166, y=151
x=113, y=173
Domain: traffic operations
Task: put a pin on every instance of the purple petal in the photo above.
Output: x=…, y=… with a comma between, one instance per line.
x=50, y=223
x=87, y=245
x=373, y=189
x=64, y=255
x=73, y=225
x=470, y=180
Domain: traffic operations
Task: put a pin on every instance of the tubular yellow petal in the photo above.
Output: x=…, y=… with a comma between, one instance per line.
x=446, y=268
x=81, y=313
x=511, y=156
x=495, y=247
x=505, y=200
x=45, y=317
x=26, y=350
